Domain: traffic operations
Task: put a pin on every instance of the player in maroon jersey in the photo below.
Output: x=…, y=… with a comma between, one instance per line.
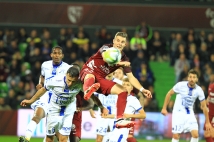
x=209, y=135
x=75, y=135
x=96, y=69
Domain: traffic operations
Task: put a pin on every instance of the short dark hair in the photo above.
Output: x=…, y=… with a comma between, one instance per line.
x=192, y=71
x=59, y=47
x=76, y=66
x=73, y=72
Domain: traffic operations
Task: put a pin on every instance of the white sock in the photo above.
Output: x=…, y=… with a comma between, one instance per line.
x=44, y=140
x=194, y=139
x=174, y=140
x=68, y=140
x=31, y=127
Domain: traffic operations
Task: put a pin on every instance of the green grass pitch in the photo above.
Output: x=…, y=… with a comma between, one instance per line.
x=15, y=139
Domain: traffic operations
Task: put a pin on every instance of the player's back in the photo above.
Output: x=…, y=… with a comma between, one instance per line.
x=211, y=100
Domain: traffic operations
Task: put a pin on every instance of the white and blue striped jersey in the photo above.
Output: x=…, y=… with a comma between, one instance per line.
x=49, y=70
x=62, y=94
x=186, y=96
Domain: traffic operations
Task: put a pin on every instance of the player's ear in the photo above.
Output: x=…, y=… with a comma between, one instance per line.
x=51, y=55
x=62, y=55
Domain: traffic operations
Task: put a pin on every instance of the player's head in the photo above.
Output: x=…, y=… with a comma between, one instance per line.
x=119, y=74
x=72, y=76
x=76, y=66
x=57, y=54
x=192, y=77
x=119, y=40
x=127, y=85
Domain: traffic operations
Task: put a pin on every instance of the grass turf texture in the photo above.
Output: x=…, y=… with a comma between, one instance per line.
x=15, y=139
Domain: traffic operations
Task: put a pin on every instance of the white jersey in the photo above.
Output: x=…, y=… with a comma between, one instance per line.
x=48, y=70
x=133, y=106
x=186, y=96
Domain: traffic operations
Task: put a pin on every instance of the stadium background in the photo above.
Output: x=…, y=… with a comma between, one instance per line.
x=162, y=15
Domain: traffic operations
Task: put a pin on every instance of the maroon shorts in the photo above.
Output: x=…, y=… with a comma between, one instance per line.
x=211, y=117
x=105, y=85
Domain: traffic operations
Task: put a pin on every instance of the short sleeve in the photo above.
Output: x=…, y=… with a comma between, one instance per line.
x=42, y=70
x=176, y=87
x=135, y=103
x=201, y=95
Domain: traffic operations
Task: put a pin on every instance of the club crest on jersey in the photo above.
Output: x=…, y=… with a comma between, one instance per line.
x=105, y=69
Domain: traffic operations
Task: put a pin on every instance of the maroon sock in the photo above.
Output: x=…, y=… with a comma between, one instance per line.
x=131, y=139
x=121, y=104
x=87, y=83
x=208, y=139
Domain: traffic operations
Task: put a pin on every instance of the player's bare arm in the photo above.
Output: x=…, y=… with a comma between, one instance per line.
x=41, y=82
x=141, y=98
x=166, y=101
x=205, y=111
x=89, y=106
x=137, y=85
x=140, y=115
x=38, y=94
x=124, y=63
x=92, y=113
x=100, y=105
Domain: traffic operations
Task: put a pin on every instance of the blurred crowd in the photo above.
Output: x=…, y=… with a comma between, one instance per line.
x=22, y=53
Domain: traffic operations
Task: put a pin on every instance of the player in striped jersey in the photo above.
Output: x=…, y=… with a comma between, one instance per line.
x=183, y=117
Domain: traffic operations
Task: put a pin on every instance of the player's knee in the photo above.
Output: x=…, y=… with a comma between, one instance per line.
x=195, y=135
x=207, y=134
x=49, y=138
x=131, y=139
x=36, y=119
x=99, y=139
x=63, y=139
x=176, y=136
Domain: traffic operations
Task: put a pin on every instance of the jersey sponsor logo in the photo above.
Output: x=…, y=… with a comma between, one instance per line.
x=187, y=101
x=105, y=69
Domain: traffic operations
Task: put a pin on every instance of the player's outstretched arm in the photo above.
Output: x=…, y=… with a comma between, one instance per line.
x=89, y=106
x=137, y=85
x=166, y=101
x=38, y=94
x=100, y=105
x=140, y=115
x=205, y=111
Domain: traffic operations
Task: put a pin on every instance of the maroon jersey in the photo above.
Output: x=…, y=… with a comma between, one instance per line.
x=97, y=66
x=211, y=100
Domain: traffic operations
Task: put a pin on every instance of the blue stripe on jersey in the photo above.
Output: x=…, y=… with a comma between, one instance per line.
x=49, y=77
x=50, y=94
x=187, y=110
x=120, y=138
x=55, y=67
x=109, y=109
x=138, y=109
x=62, y=111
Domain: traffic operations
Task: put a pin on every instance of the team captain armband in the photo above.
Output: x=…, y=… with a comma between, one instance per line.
x=103, y=48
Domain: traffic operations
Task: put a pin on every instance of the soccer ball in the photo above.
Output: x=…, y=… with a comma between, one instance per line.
x=112, y=55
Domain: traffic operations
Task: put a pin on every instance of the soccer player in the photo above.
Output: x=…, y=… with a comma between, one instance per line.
x=49, y=69
x=105, y=125
x=75, y=135
x=96, y=69
x=133, y=110
x=183, y=117
x=62, y=104
x=209, y=135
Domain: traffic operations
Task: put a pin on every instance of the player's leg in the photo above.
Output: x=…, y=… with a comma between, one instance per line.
x=49, y=138
x=121, y=104
x=175, y=137
x=39, y=113
x=194, y=134
x=89, y=86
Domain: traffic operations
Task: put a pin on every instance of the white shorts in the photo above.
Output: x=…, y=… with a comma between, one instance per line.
x=182, y=122
x=42, y=102
x=103, y=124
x=118, y=135
x=60, y=120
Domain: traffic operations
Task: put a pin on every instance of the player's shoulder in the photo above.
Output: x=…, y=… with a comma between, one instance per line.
x=182, y=83
x=45, y=63
x=56, y=79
